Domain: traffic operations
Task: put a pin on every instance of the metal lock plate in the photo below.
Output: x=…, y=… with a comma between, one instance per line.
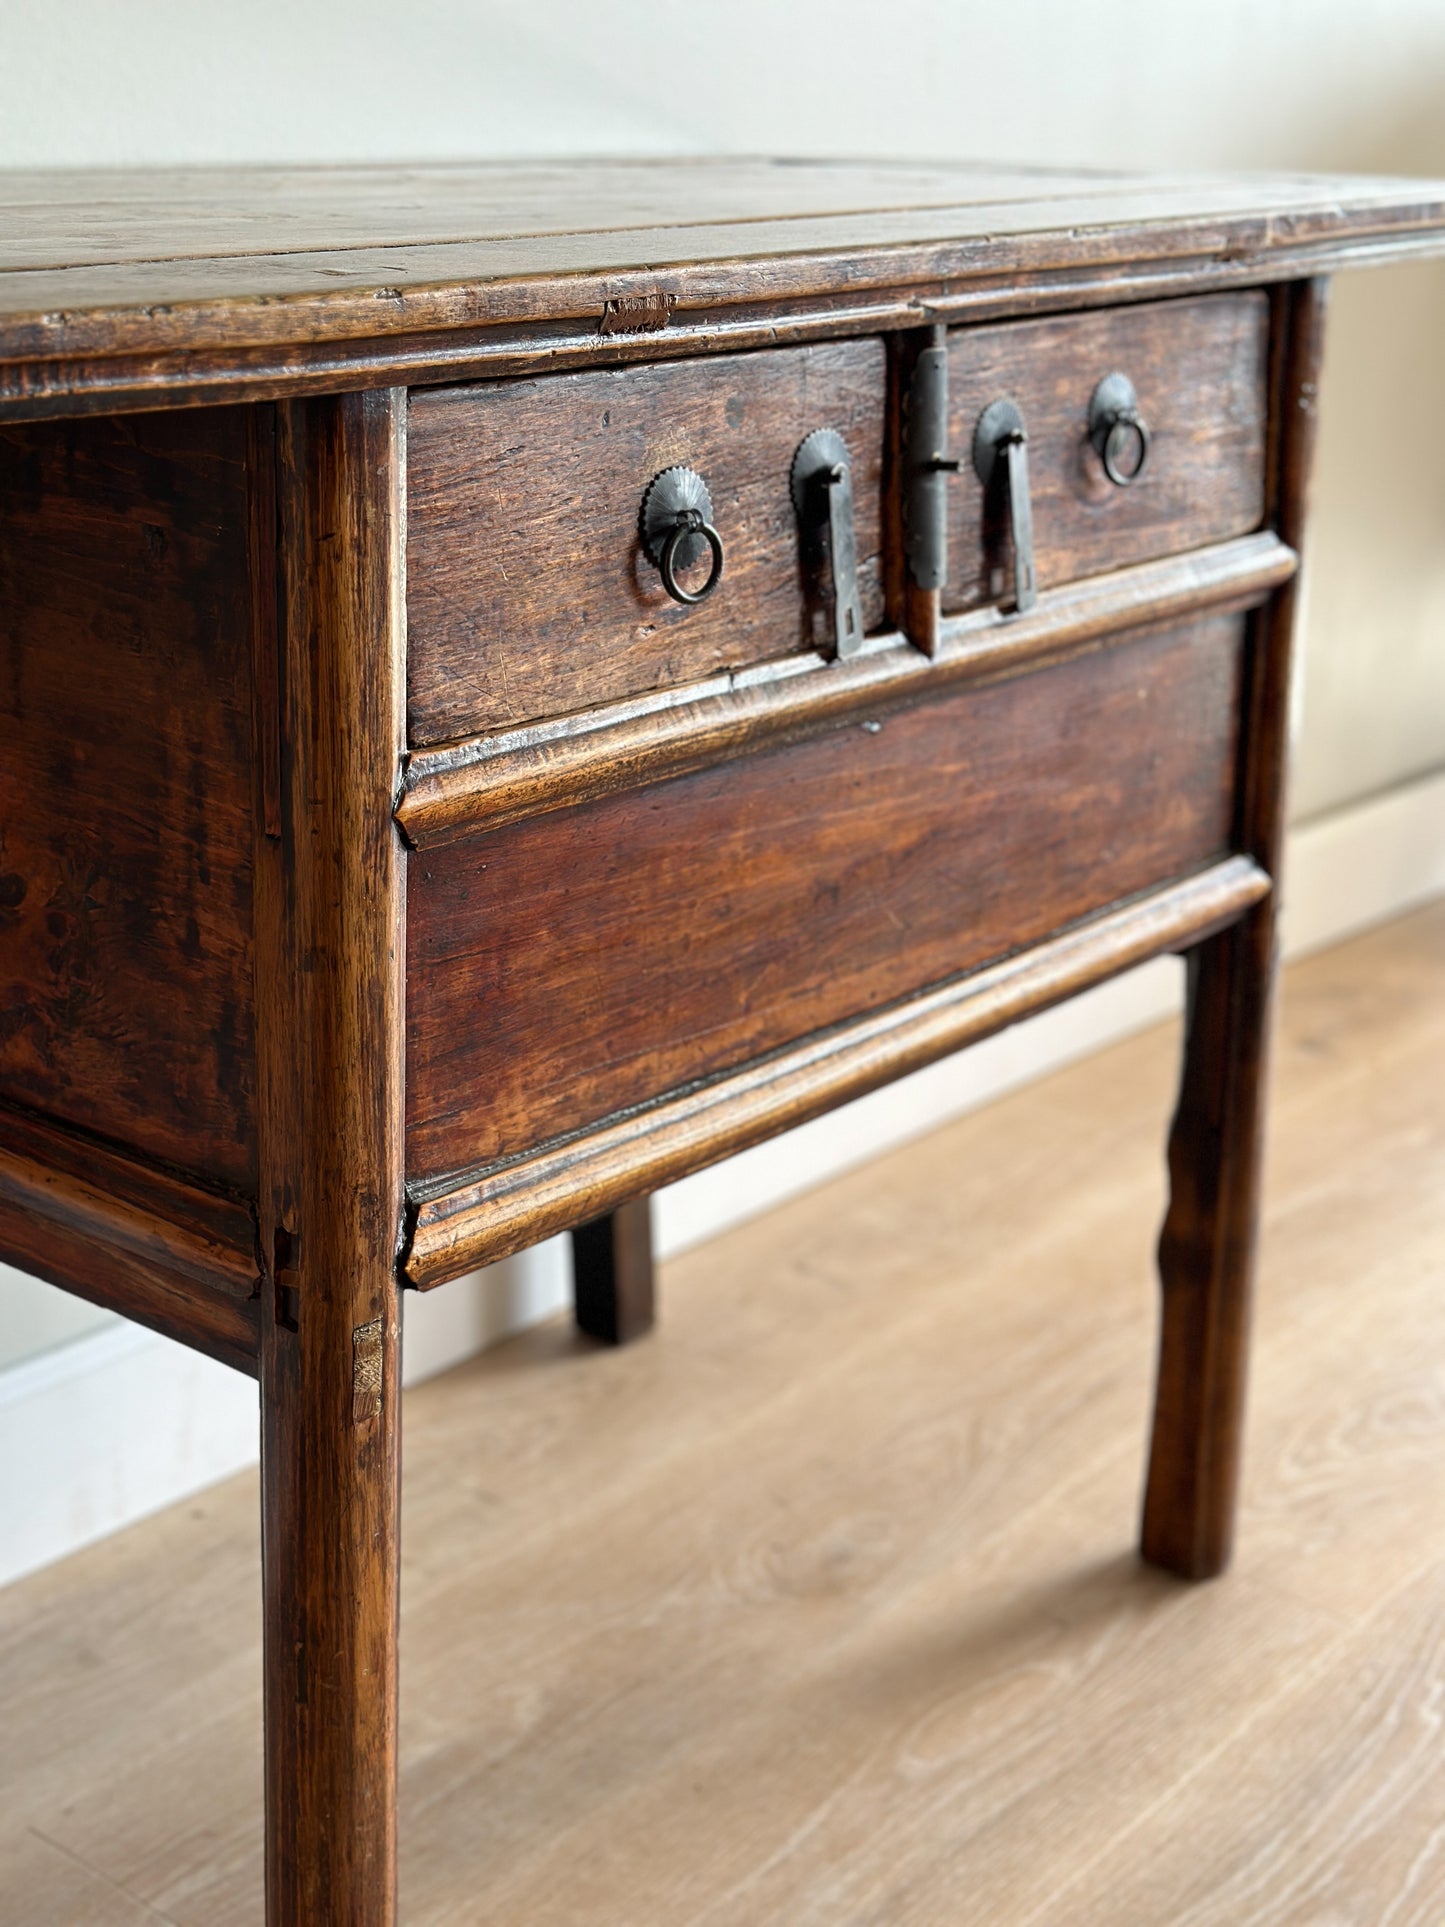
x=821, y=482
x=1000, y=436
x=927, y=466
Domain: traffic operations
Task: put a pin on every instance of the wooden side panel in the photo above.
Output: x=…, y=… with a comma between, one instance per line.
x=145, y=1289
x=1200, y=370
x=129, y=1236
x=125, y=784
x=569, y=966
x=529, y=591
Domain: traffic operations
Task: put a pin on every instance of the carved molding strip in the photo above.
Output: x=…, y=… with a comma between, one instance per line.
x=471, y=1219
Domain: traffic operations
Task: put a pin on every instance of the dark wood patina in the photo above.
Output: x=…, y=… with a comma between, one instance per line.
x=392, y=876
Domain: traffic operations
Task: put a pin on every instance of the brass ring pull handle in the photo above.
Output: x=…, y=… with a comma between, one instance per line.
x=1118, y=431
x=677, y=530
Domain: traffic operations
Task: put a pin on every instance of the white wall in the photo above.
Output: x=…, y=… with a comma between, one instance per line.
x=1323, y=84
x=33, y=1317
x=1159, y=83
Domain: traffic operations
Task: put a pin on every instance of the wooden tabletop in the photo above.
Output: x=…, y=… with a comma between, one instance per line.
x=138, y=284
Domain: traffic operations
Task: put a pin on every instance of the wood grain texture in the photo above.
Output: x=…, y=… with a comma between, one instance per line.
x=331, y=963
x=206, y=213
x=261, y=281
x=919, y=846
x=463, y=788
x=125, y=785
x=1216, y=1145
x=1199, y=369
x=614, y=1282
x=461, y=1223
x=207, y=1234
x=517, y=488
x=824, y=1609
x=604, y=996
x=128, y=1236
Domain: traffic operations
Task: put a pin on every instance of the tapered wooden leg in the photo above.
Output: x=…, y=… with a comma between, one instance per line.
x=1206, y=1253
x=1206, y=1248
x=613, y=1272
x=330, y=1000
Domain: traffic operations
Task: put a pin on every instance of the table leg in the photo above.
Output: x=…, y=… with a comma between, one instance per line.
x=1206, y=1252
x=1206, y=1249
x=330, y=1462
x=330, y=1008
x=614, y=1293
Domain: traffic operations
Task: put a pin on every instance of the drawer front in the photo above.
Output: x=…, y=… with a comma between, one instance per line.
x=564, y=968
x=529, y=593
x=1199, y=369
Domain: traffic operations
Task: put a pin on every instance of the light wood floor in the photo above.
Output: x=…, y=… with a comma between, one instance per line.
x=820, y=1606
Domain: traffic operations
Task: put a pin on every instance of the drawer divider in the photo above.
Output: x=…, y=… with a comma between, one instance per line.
x=464, y=789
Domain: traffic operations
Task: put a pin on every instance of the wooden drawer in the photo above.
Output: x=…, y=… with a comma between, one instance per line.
x=528, y=591
x=564, y=968
x=1199, y=369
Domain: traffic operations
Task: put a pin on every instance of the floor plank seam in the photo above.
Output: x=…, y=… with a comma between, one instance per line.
x=106, y=1880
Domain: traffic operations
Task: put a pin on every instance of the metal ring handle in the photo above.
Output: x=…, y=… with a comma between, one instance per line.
x=689, y=522
x=1125, y=426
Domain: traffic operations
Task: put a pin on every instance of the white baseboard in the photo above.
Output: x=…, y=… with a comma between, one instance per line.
x=106, y=1429
x=101, y=1431
x=1364, y=864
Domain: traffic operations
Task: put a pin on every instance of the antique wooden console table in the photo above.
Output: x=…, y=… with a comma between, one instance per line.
x=519, y=682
